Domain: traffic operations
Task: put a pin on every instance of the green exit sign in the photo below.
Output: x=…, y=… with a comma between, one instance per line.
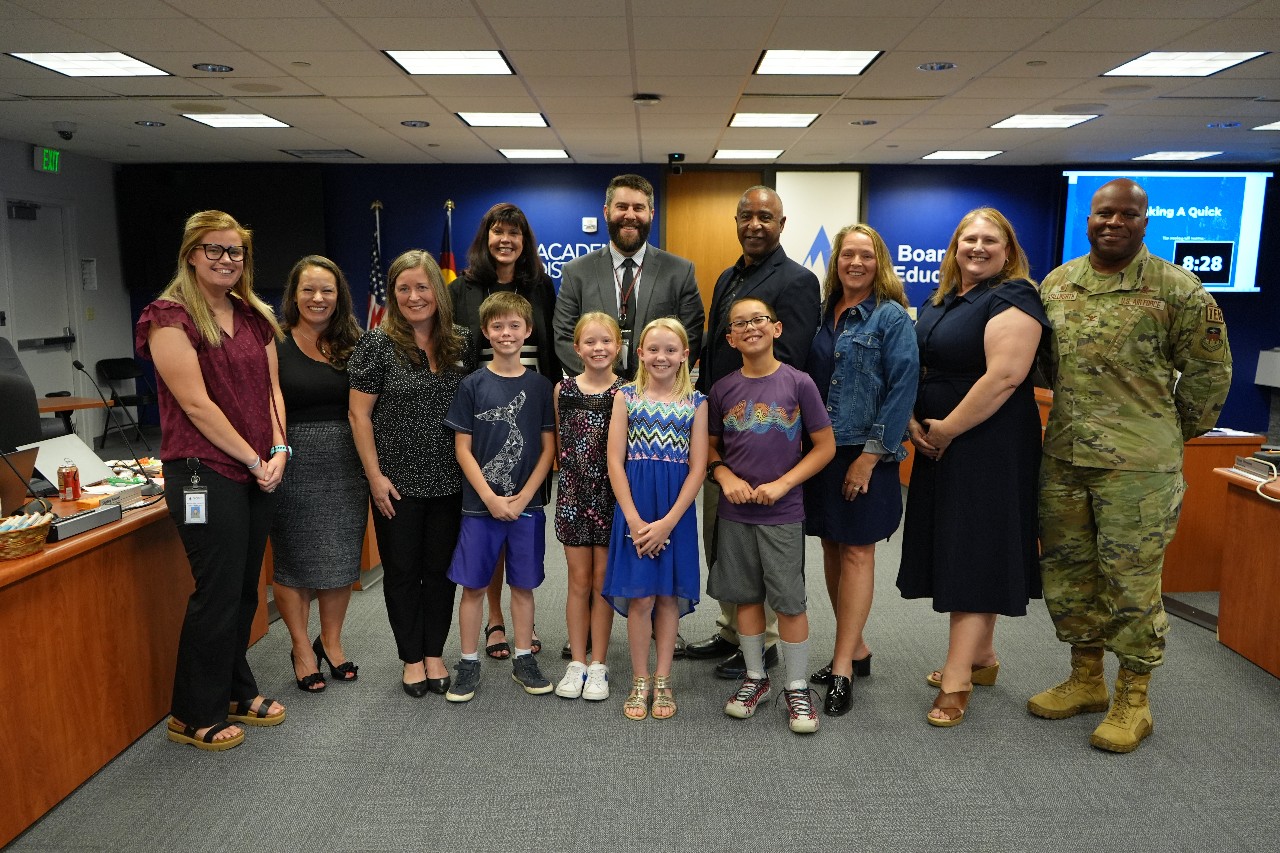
x=46, y=159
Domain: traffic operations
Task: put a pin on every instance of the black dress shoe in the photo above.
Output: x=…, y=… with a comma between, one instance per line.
x=567, y=653
x=735, y=666
x=417, y=689
x=714, y=646
x=438, y=686
x=838, y=696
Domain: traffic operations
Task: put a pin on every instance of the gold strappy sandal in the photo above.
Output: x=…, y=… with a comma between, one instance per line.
x=637, y=705
x=663, y=700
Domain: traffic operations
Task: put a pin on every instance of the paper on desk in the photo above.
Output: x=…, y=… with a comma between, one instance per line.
x=54, y=450
x=1228, y=431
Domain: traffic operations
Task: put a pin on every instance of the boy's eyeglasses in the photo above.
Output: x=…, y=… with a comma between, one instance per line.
x=213, y=251
x=754, y=322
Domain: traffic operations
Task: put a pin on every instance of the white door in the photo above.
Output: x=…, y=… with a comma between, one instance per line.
x=40, y=301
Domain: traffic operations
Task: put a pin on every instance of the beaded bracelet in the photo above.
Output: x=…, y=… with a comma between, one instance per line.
x=257, y=460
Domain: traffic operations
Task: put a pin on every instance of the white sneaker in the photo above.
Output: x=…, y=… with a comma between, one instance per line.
x=597, y=686
x=570, y=687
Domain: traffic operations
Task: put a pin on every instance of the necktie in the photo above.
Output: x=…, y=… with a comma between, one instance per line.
x=627, y=297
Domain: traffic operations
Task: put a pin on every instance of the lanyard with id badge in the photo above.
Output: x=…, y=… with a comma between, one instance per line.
x=195, y=497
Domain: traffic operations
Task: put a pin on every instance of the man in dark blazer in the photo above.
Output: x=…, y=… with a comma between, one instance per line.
x=628, y=279
x=763, y=272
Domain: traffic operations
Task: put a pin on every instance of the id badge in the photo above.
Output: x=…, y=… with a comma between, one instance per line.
x=624, y=356
x=196, y=502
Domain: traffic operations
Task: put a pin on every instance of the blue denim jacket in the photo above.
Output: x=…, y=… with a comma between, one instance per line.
x=867, y=368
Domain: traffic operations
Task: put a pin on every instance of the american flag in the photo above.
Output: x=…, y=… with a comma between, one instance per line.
x=377, y=279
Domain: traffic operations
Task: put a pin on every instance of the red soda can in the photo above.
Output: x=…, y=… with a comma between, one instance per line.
x=69, y=481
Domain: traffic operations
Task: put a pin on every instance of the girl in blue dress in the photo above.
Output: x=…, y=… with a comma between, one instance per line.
x=657, y=461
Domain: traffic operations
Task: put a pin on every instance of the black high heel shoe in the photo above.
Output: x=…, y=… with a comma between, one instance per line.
x=838, y=696
x=307, y=684
x=343, y=672
x=861, y=669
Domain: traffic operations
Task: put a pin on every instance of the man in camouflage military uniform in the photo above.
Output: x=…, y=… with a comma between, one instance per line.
x=1139, y=365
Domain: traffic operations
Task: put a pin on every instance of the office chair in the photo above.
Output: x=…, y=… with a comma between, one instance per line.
x=113, y=370
x=11, y=366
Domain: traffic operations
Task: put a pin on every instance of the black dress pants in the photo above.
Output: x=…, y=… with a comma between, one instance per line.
x=416, y=547
x=226, y=560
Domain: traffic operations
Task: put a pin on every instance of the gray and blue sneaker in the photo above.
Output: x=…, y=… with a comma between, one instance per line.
x=525, y=671
x=464, y=686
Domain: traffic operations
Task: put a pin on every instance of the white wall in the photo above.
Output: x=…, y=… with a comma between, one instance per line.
x=85, y=188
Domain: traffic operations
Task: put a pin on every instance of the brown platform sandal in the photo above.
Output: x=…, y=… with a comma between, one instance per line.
x=663, y=700
x=981, y=676
x=637, y=705
x=951, y=704
x=242, y=712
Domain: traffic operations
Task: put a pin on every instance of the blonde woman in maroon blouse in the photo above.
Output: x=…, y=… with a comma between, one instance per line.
x=224, y=452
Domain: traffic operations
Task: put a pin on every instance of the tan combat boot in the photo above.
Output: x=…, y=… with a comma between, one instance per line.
x=1084, y=691
x=1129, y=719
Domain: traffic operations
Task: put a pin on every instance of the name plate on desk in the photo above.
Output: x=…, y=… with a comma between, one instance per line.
x=1255, y=468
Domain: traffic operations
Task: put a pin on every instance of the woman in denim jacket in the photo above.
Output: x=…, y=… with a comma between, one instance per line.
x=865, y=362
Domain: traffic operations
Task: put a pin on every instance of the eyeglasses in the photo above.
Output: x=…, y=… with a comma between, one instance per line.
x=754, y=322
x=213, y=251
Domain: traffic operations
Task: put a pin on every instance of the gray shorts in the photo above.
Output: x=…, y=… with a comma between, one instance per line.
x=759, y=562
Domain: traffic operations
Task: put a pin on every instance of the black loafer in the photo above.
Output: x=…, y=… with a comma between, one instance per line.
x=714, y=646
x=839, y=696
x=439, y=686
x=735, y=667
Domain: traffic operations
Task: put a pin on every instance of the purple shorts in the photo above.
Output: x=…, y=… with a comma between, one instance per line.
x=480, y=542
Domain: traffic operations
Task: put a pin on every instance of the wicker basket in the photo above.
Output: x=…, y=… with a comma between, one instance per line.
x=21, y=543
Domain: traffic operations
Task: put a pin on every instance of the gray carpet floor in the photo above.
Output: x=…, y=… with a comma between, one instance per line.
x=364, y=767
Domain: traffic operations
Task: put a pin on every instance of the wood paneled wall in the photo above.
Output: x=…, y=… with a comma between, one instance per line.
x=698, y=216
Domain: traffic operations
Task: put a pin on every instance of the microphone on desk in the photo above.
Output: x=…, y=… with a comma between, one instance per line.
x=151, y=489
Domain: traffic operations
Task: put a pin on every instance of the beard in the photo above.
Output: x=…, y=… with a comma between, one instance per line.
x=624, y=245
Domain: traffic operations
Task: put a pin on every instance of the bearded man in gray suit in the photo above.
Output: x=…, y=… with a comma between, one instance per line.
x=628, y=279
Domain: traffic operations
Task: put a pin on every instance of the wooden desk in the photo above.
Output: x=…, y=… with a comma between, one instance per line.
x=1250, y=587
x=68, y=404
x=1194, y=559
x=91, y=627
x=90, y=632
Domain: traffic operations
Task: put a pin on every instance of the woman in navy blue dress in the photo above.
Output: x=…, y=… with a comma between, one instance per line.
x=970, y=530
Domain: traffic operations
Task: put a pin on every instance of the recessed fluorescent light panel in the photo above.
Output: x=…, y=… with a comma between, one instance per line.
x=747, y=154
x=1178, y=155
x=772, y=119
x=534, y=153
x=1042, y=121
x=1275, y=125
x=503, y=119
x=826, y=62
x=1187, y=63
x=451, y=61
x=92, y=64
x=235, y=119
x=961, y=155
